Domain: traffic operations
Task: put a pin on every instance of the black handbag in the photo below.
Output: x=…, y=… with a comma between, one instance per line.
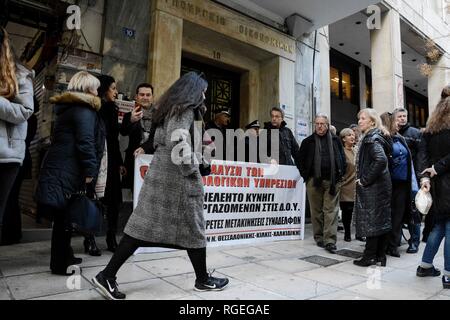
x=85, y=214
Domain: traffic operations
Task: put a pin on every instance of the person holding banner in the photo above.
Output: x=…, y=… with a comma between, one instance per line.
x=169, y=212
x=137, y=125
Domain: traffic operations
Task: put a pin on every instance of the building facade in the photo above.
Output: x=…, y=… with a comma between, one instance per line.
x=305, y=56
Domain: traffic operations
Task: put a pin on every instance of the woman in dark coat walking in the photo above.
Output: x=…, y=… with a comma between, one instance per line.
x=373, y=188
x=170, y=207
x=113, y=194
x=402, y=175
x=434, y=163
x=72, y=162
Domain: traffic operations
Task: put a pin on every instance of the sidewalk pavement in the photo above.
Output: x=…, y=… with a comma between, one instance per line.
x=267, y=271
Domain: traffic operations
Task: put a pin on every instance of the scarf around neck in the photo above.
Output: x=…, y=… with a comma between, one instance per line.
x=318, y=162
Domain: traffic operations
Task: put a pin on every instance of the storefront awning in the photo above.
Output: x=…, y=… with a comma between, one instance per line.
x=318, y=13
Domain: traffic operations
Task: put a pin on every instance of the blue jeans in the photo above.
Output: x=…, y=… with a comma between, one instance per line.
x=440, y=231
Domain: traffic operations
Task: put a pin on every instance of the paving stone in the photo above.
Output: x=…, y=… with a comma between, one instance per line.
x=154, y=289
x=167, y=267
x=332, y=277
x=390, y=291
x=4, y=293
x=251, y=272
x=408, y=278
x=41, y=284
x=24, y=265
x=290, y=265
x=253, y=254
x=128, y=273
x=244, y=291
x=342, y=295
x=85, y=295
x=294, y=287
x=440, y=297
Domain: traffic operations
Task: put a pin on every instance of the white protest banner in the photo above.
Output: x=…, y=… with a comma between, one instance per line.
x=246, y=202
x=249, y=202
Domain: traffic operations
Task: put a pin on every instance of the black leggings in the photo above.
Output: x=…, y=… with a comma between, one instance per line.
x=129, y=245
x=347, y=213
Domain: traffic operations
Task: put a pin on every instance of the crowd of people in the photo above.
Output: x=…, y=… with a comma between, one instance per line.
x=370, y=171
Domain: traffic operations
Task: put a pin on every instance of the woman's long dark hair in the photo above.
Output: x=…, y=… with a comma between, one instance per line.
x=186, y=92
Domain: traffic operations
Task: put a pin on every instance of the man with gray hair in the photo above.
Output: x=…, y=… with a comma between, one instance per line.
x=412, y=137
x=288, y=146
x=321, y=162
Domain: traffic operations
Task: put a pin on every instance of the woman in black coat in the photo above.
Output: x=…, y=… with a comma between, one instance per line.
x=373, y=188
x=72, y=162
x=401, y=169
x=113, y=194
x=434, y=163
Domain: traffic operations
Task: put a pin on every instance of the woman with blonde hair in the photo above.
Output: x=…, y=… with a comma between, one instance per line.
x=373, y=188
x=434, y=164
x=73, y=161
x=16, y=106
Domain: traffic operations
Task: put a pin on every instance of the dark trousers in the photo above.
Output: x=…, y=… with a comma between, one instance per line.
x=61, y=251
x=112, y=217
x=429, y=224
x=400, y=207
x=12, y=219
x=129, y=245
x=376, y=246
x=8, y=174
x=347, y=213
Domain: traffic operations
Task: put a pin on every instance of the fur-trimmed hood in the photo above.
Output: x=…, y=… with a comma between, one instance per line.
x=68, y=98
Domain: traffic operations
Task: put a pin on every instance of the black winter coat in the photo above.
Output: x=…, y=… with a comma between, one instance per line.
x=435, y=150
x=134, y=132
x=373, y=197
x=288, y=145
x=110, y=115
x=76, y=151
x=305, y=158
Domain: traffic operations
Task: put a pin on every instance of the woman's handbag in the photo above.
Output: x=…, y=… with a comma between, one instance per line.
x=424, y=201
x=85, y=214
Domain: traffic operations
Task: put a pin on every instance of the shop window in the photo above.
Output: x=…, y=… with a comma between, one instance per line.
x=342, y=86
x=346, y=87
x=334, y=74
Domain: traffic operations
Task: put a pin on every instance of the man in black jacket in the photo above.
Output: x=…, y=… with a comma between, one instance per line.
x=412, y=136
x=322, y=164
x=137, y=126
x=288, y=146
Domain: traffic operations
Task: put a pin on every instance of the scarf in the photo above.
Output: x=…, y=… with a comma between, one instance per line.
x=146, y=123
x=318, y=163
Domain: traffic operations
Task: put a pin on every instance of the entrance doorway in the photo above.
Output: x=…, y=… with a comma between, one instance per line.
x=223, y=88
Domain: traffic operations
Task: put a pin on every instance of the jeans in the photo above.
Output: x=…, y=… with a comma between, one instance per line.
x=440, y=231
x=414, y=230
